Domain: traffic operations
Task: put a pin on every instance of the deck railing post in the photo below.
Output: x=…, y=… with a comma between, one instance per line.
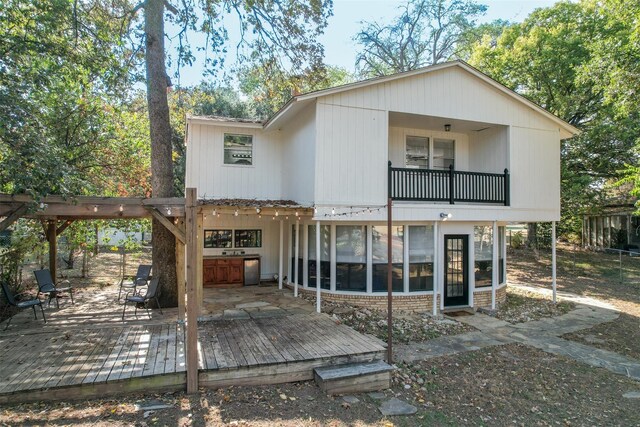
x=506, y=187
x=389, y=180
x=451, y=180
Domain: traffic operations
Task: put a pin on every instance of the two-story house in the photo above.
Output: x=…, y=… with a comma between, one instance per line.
x=306, y=191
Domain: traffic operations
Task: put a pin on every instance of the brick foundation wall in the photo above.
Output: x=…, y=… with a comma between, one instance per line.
x=483, y=298
x=415, y=303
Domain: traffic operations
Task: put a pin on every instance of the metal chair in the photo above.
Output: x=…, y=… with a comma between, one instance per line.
x=141, y=279
x=11, y=300
x=46, y=285
x=152, y=293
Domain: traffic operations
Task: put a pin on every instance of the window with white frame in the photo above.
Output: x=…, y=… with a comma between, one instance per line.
x=238, y=149
x=483, y=262
x=423, y=152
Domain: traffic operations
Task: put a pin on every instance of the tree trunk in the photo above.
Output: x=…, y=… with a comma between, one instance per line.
x=532, y=235
x=163, y=242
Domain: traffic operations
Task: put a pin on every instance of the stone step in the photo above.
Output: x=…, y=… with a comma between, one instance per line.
x=354, y=377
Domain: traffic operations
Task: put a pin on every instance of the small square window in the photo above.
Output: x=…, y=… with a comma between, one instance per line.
x=238, y=149
x=217, y=239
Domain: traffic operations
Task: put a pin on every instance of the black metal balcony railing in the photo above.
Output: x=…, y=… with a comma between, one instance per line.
x=448, y=186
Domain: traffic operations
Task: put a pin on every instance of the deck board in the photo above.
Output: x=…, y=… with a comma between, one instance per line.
x=231, y=350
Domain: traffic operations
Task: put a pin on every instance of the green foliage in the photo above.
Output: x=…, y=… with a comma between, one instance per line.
x=426, y=32
x=27, y=240
x=555, y=58
x=517, y=240
x=63, y=73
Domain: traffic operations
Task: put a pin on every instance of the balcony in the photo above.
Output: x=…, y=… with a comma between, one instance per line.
x=448, y=186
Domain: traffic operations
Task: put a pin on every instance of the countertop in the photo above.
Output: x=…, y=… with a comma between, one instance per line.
x=253, y=256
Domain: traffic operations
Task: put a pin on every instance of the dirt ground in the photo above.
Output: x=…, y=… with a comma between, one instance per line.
x=506, y=385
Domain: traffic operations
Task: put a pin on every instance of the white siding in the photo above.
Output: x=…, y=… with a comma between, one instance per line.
x=351, y=156
x=535, y=173
x=452, y=92
x=489, y=150
x=214, y=180
x=270, y=238
x=298, y=150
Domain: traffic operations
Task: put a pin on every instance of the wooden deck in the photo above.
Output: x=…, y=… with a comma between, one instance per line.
x=80, y=361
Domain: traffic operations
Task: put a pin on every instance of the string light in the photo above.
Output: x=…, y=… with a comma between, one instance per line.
x=168, y=211
x=235, y=213
x=121, y=208
x=258, y=210
x=276, y=213
x=214, y=212
x=95, y=208
x=355, y=212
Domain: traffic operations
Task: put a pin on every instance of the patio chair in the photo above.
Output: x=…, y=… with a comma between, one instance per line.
x=140, y=279
x=47, y=286
x=152, y=293
x=11, y=301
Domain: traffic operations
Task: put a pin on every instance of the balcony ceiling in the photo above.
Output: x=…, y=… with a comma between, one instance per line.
x=416, y=121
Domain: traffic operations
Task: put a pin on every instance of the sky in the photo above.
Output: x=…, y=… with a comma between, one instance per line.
x=340, y=49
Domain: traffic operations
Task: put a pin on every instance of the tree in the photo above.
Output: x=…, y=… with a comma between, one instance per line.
x=426, y=32
x=273, y=31
x=556, y=59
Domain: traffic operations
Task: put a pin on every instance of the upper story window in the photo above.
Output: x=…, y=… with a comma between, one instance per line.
x=417, y=152
x=238, y=149
x=429, y=153
x=443, y=150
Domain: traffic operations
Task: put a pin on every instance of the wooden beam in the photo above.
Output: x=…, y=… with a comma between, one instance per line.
x=12, y=217
x=64, y=226
x=53, y=248
x=199, y=266
x=192, y=292
x=180, y=272
x=179, y=234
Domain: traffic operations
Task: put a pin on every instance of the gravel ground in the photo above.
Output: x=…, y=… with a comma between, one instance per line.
x=524, y=306
x=407, y=326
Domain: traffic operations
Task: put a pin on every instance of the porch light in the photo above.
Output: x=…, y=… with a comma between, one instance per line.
x=445, y=216
x=95, y=208
x=447, y=127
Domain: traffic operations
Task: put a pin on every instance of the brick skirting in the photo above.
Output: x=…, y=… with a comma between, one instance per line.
x=417, y=303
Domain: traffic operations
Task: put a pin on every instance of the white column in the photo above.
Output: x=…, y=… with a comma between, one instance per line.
x=504, y=254
x=435, y=268
x=305, y=255
x=318, y=260
x=553, y=259
x=281, y=256
x=333, y=257
x=405, y=258
x=369, y=260
x=295, y=263
x=494, y=264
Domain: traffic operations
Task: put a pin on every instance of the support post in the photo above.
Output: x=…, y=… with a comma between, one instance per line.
x=553, y=259
x=281, y=254
x=494, y=264
x=53, y=248
x=435, y=268
x=389, y=286
x=191, y=216
x=318, y=261
x=451, y=185
x=295, y=266
x=180, y=273
x=199, y=266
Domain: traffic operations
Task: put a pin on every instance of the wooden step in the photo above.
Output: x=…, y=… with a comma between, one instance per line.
x=354, y=377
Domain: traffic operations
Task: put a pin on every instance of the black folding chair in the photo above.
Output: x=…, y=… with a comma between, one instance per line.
x=47, y=286
x=152, y=294
x=141, y=279
x=11, y=301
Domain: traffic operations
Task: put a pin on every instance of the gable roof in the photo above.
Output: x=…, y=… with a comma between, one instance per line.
x=297, y=103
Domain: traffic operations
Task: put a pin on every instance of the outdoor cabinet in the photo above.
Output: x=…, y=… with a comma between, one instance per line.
x=222, y=272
